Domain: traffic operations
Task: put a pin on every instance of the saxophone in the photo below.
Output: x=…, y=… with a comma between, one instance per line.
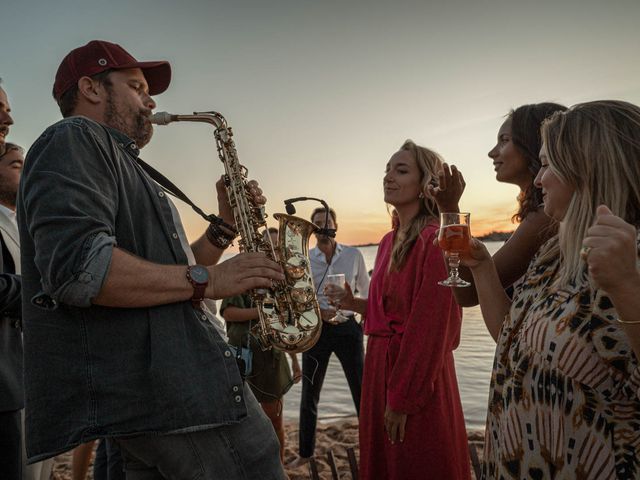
x=289, y=312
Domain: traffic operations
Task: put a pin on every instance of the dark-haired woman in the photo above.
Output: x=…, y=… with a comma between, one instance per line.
x=411, y=419
x=515, y=160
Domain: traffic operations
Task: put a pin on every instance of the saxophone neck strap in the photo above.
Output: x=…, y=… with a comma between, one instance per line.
x=169, y=187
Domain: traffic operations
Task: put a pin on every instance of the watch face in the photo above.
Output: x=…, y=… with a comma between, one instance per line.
x=199, y=274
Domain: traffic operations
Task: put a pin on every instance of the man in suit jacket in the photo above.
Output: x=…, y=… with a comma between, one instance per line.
x=11, y=387
x=12, y=454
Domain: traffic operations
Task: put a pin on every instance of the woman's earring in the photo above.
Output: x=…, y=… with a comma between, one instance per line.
x=421, y=195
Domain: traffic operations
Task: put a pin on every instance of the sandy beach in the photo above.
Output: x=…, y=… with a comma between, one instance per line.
x=335, y=436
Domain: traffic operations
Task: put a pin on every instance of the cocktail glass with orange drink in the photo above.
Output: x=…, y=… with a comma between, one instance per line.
x=454, y=238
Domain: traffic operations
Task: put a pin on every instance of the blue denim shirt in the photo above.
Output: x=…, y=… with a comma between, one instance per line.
x=94, y=371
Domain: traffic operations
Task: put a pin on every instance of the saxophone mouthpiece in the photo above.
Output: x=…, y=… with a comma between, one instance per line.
x=162, y=118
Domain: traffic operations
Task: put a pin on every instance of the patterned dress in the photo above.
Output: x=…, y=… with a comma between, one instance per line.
x=564, y=400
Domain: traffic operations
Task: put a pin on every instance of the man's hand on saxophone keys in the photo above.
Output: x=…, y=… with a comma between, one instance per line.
x=224, y=207
x=242, y=273
x=209, y=247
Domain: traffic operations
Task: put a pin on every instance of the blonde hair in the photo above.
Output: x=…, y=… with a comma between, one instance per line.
x=593, y=147
x=429, y=163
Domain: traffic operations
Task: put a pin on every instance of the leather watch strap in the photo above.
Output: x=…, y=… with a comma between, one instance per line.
x=198, y=276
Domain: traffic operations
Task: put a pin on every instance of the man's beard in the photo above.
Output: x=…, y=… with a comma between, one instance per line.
x=138, y=128
x=8, y=195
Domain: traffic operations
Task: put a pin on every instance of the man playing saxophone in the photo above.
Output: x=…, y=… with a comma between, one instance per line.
x=112, y=284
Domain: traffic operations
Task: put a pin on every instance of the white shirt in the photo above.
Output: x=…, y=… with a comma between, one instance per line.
x=208, y=305
x=347, y=260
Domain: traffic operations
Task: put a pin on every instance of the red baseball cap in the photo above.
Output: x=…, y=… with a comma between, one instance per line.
x=97, y=56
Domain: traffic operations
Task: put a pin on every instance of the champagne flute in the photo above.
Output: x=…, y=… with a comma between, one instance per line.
x=454, y=238
x=334, y=290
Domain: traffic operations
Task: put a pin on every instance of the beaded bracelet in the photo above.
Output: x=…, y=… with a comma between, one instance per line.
x=218, y=237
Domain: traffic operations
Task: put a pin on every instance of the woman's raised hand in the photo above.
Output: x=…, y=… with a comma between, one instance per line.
x=610, y=251
x=449, y=189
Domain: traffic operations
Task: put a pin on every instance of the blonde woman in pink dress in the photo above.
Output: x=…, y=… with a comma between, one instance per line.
x=411, y=419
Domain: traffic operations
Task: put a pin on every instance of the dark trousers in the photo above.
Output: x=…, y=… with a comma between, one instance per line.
x=108, y=463
x=345, y=340
x=245, y=450
x=10, y=446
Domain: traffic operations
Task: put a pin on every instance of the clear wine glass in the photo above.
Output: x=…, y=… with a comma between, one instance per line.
x=454, y=238
x=335, y=291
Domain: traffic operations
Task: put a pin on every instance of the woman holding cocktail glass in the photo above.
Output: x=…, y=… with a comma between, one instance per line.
x=411, y=420
x=564, y=398
x=515, y=160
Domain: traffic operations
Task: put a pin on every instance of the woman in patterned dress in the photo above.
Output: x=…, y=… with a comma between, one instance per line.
x=411, y=419
x=564, y=400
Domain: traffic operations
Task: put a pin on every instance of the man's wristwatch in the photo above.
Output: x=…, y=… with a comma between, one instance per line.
x=198, y=276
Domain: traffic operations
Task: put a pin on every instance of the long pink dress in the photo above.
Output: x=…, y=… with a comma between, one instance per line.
x=413, y=326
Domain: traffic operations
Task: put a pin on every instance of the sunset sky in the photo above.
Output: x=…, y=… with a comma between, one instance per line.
x=321, y=93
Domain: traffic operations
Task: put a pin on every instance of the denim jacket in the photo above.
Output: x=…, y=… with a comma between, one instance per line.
x=94, y=371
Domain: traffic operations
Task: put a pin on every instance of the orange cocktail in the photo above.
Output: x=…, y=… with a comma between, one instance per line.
x=454, y=238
